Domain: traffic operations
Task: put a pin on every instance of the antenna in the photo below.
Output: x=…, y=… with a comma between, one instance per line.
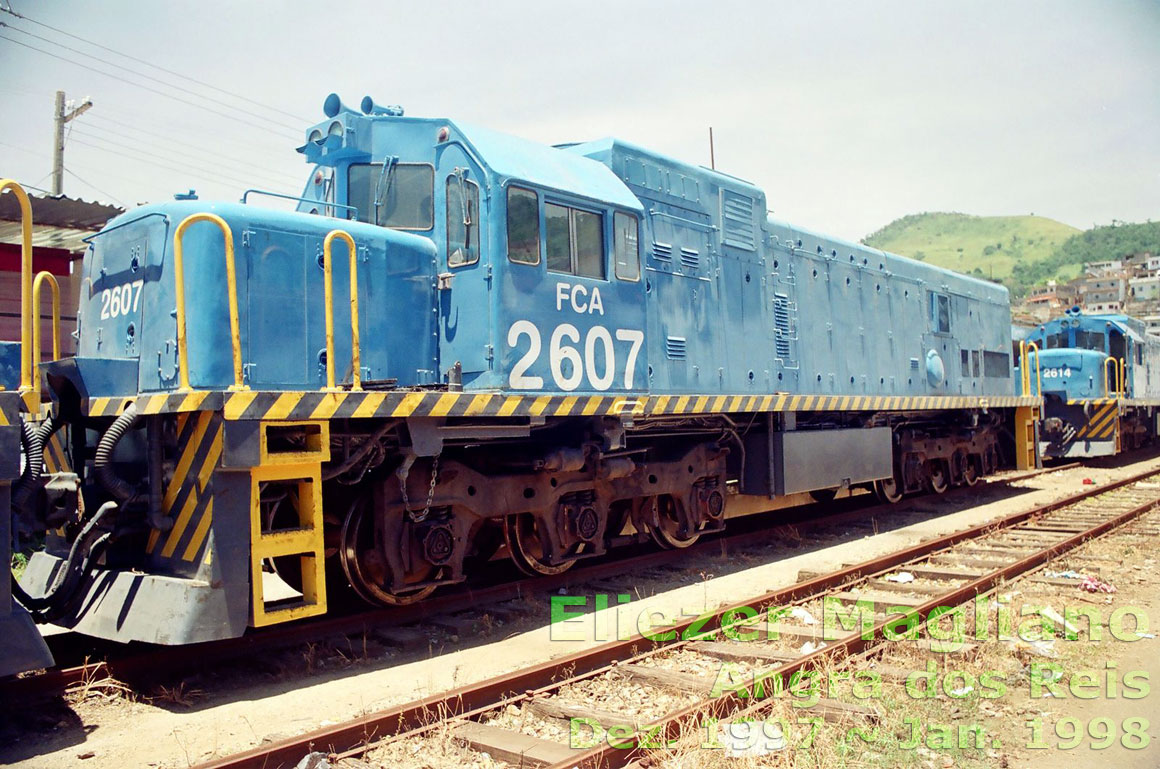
x=712, y=158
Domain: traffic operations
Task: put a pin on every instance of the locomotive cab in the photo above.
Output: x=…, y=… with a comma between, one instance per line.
x=536, y=248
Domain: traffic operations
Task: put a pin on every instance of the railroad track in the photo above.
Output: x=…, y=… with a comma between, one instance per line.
x=133, y=664
x=950, y=570
x=79, y=664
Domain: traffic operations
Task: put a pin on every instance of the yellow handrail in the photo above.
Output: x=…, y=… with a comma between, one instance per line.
x=1123, y=378
x=328, y=280
x=1023, y=383
x=27, y=380
x=232, y=287
x=1115, y=385
x=41, y=279
x=1025, y=350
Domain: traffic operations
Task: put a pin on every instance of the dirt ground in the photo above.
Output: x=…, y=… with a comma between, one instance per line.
x=266, y=699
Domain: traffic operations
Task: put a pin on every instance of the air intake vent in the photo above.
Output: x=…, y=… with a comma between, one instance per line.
x=737, y=220
x=662, y=252
x=675, y=347
x=783, y=328
x=690, y=258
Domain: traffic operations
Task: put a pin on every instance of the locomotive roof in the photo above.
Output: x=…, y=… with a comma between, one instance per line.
x=974, y=286
x=525, y=160
x=1126, y=323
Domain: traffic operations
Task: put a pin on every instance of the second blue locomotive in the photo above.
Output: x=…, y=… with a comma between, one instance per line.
x=1100, y=379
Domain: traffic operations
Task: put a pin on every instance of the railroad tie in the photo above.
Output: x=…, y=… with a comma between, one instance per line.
x=513, y=747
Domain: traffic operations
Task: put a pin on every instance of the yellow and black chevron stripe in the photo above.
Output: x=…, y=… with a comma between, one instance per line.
x=1101, y=425
x=188, y=499
x=12, y=402
x=9, y=409
x=1153, y=402
x=56, y=458
x=299, y=405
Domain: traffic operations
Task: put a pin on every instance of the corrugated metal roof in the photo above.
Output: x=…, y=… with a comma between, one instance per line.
x=57, y=222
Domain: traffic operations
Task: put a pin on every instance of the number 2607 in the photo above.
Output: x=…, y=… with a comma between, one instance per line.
x=121, y=300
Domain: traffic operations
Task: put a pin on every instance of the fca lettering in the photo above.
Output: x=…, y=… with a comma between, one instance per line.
x=577, y=296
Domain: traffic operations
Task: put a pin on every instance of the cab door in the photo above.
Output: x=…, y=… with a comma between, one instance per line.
x=571, y=316
x=464, y=267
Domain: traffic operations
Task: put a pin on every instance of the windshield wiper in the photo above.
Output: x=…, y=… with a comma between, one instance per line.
x=383, y=186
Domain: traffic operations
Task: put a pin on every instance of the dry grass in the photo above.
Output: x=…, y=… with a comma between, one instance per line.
x=180, y=693
x=96, y=685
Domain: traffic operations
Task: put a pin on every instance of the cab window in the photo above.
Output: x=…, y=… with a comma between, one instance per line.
x=400, y=197
x=1089, y=340
x=523, y=226
x=574, y=241
x=462, y=221
x=940, y=313
x=625, y=251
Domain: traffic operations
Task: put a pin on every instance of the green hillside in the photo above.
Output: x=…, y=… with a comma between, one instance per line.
x=1022, y=252
x=989, y=246
x=1098, y=244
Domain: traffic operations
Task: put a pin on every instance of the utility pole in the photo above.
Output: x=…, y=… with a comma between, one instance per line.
x=59, y=118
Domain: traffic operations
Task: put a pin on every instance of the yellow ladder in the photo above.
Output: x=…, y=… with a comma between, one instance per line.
x=301, y=472
x=1026, y=444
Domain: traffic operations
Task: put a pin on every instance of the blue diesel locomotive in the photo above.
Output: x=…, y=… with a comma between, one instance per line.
x=463, y=345
x=1100, y=380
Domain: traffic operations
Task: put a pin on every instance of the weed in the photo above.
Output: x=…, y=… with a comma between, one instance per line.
x=179, y=694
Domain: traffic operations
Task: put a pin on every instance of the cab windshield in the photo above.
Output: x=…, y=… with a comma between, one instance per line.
x=401, y=196
x=1089, y=340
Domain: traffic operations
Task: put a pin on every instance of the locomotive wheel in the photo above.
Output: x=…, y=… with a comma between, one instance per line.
x=971, y=472
x=936, y=479
x=282, y=515
x=665, y=535
x=364, y=566
x=887, y=491
x=529, y=550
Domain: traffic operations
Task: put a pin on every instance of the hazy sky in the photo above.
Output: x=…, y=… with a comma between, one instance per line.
x=847, y=114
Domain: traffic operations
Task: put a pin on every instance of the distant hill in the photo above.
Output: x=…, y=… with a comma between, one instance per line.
x=1022, y=252
x=1098, y=244
x=986, y=246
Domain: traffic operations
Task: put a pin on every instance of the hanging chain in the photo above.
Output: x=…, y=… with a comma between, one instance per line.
x=420, y=516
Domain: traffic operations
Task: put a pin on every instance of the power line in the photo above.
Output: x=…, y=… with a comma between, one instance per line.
x=158, y=165
x=167, y=158
x=159, y=142
x=263, y=174
x=95, y=187
x=154, y=66
x=25, y=150
x=144, y=87
x=147, y=123
x=34, y=153
x=142, y=74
